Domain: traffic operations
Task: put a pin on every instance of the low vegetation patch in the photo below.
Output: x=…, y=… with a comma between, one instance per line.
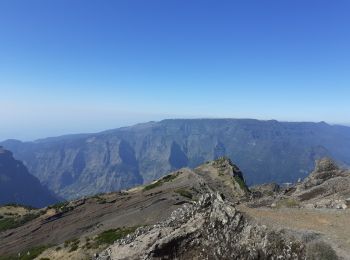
x=61, y=207
x=73, y=244
x=160, y=182
x=28, y=254
x=99, y=199
x=184, y=193
x=108, y=237
x=320, y=251
x=7, y=223
x=170, y=177
x=288, y=203
x=240, y=182
x=152, y=185
x=14, y=222
x=16, y=205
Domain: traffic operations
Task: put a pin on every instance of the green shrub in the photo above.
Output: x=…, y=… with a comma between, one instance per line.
x=109, y=236
x=88, y=245
x=320, y=251
x=61, y=207
x=58, y=205
x=73, y=247
x=170, y=177
x=99, y=199
x=27, y=254
x=10, y=223
x=160, y=182
x=152, y=185
x=72, y=243
x=240, y=182
x=184, y=193
x=7, y=223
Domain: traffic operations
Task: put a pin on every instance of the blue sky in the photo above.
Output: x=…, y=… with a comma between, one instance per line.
x=83, y=66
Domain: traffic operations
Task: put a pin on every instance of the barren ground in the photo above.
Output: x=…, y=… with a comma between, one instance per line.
x=333, y=225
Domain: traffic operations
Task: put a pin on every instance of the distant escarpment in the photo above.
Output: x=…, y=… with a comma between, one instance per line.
x=267, y=151
x=18, y=186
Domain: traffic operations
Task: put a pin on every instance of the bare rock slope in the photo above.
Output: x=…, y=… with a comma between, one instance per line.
x=209, y=229
x=204, y=213
x=218, y=226
x=87, y=219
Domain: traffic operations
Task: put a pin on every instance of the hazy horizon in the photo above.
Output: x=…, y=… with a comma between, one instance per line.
x=86, y=66
x=97, y=129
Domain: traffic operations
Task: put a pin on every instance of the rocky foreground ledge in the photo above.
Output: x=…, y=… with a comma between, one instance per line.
x=211, y=228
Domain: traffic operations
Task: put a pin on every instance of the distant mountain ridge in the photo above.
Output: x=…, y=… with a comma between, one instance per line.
x=18, y=186
x=267, y=151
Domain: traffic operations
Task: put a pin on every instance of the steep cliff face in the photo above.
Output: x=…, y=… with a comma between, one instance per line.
x=117, y=159
x=18, y=186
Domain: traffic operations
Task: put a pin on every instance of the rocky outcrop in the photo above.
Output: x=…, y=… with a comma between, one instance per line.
x=208, y=229
x=325, y=169
x=266, y=151
x=266, y=189
x=18, y=186
x=327, y=186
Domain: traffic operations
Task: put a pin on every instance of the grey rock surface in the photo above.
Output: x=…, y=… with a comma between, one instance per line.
x=209, y=229
x=326, y=187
